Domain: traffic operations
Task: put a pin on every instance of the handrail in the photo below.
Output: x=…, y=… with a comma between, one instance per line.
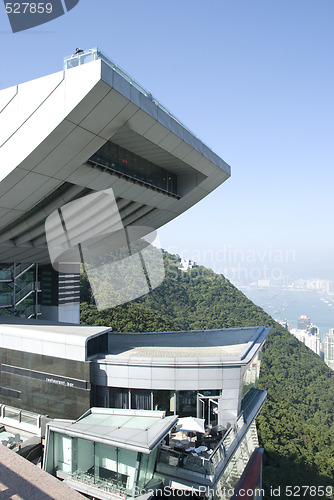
x=21, y=294
x=96, y=164
x=22, y=268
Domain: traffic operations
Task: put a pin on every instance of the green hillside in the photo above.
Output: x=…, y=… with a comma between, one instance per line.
x=296, y=425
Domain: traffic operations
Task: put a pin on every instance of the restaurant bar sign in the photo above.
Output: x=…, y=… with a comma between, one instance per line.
x=46, y=377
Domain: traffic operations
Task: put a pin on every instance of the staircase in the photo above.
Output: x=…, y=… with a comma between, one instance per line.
x=19, y=289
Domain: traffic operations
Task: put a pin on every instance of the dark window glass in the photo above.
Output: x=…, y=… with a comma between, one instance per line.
x=125, y=162
x=186, y=403
x=118, y=398
x=97, y=345
x=164, y=401
x=141, y=399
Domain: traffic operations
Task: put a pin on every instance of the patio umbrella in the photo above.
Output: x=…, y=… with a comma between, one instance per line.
x=191, y=424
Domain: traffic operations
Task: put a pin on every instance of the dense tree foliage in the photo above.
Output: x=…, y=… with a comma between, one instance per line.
x=296, y=426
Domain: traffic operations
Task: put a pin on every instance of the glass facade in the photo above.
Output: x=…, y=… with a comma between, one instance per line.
x=226, y=485
x=118, y=159
x=46, y=385
x=49, y=285
x=141, y=399
x=165, y=401
x=119, y=398
x=100, y=465
x=186, y=403
x=182, y=403
x=230, y=455
x=252, y=374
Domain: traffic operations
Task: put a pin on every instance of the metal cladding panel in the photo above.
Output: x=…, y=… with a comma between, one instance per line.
x=77, y=161
x=149, y=106
x=127, y=112
x=122, y=86
x=213, y=181
x=42, y=185
x=182, y=150
x=26, y=101
x=33, y=125
x=141, y=122
x=157, y=133
x=69, y=147
x=84, y=90
x=164, y=119
x=11, y=180
x=193, y=141
x=170, y=143
x=83, y=176
x=135, y=96
x=104, y=112
x=38, y=159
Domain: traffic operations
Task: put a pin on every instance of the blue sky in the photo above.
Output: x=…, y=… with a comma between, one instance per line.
x=254, y=80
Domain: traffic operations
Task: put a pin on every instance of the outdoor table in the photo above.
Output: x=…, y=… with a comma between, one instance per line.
x=201, y=448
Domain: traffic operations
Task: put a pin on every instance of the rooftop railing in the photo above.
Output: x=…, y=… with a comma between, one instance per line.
x=94, y=54
x=225, y=449
x=19, y=416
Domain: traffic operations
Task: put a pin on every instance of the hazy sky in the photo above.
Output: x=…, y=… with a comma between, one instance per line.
x=253, y=79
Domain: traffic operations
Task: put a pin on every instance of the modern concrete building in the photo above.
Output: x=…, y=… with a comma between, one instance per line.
x=137, y=380
x=328, y=348
x=46, y=367
x=110, y=453
x=310, y=337
x=203, y=374
x=144, y=379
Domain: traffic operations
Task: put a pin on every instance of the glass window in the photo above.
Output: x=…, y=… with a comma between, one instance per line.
x=62, y=453
x=146, y=469
x=83, y=455
x=186, y=403
x=252, y=374
x=123, y=161
x=117, y=465
x=118, y=398
x=141, y=399
x=127, y=467
x=164, y=401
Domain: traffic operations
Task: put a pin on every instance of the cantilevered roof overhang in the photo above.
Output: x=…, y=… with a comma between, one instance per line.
x=51, y=127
